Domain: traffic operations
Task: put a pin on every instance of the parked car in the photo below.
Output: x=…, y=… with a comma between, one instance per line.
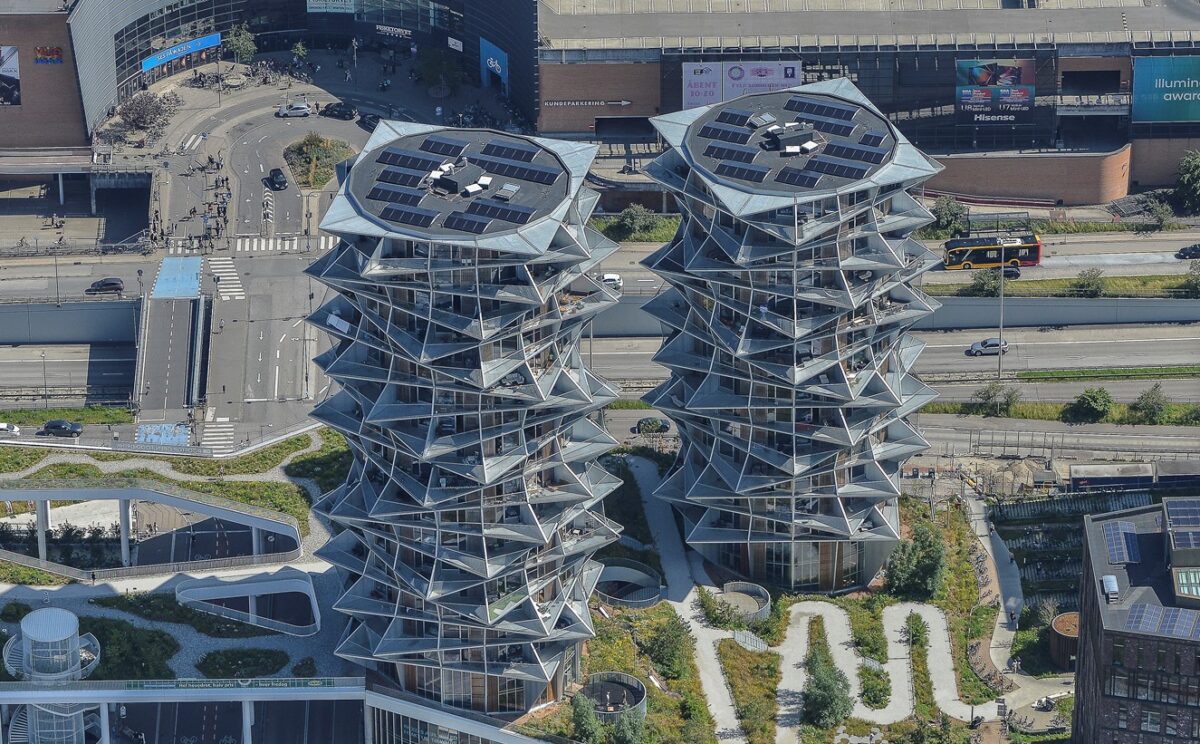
x=340, y=110
x=277, y=179
x=107, y=284
x=989, y=346
x=612, y=281
x=652, y=426
x=11, y=430
x=61, y=428
x=1191, y=251
x=298, y=108
x=369, y=122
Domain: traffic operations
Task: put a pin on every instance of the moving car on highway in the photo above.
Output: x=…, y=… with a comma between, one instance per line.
x=340, y=110
x=107, y=284
x=61, y=428
x=277, y=179
x=1191, y=251
x=11, y=430
x=988, y=346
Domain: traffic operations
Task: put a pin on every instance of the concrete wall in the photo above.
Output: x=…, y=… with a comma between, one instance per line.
x=51, y=111
x=572, y=96
x=101, y=322
x=1083, y=178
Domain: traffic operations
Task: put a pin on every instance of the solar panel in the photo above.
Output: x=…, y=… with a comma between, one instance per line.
x=402, y=176
x=396, y=194
x=725, y=133
x=872, y=139
x=828, y=127
x=409, y=215
x=408, y=159
x=1166, y=621
x=829, y=167
x=747, y=172
x=1183, y=512
x=737, y=153
x=466, y=222
x=797, y=177
x=1178, y=623
x=511, y=150
x=855, y=152
x=500, y=210
x=521, y=171
x=820, y=108
x=1186, y=538
x=1120, y=538
x=736, y=117
x=436, y=143
x=1144, y=618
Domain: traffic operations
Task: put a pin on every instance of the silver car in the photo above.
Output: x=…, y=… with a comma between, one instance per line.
x=988, y=346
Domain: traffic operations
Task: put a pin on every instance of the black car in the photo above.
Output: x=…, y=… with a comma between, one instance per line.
x=1191, y=251
x=369, y=121
x=107, y=284
x=277, y=180
x=61, y=428
x=1010, y=272
x=340, y=110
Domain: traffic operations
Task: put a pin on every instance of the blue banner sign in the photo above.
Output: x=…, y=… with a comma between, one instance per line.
x=1166, y=89
x=180, y=50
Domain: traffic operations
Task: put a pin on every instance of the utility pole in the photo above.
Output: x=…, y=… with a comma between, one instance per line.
x=57, y=296
x=1000, y=351
x=45, y=382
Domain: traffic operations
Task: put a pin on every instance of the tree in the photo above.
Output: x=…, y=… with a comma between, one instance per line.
x=637, y=219
x=240, y=43
x=1191, y=281
x=949, y=214
x=917, y=565
x=1093, y=404
x=585, y=724
x=1047, y=610
x=985, y=283
x=630, y=729
x=144, y=111
x=299, y=51
x=998, y=398
x=1151, y=405
x=1089, y=283
x=669, y=646
x=1160, y=212
x=1187, y=183
x=827, y=700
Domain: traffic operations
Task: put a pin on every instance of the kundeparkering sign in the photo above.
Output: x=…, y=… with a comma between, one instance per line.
x=1166, y=89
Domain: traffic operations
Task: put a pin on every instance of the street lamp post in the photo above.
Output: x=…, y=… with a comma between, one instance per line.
x=1000, y=354
x=45, y=382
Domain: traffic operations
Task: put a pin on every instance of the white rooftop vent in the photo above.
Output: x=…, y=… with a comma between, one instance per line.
x=808, y=148
x=1111, y=592
x=484, y=181
x=473, y=189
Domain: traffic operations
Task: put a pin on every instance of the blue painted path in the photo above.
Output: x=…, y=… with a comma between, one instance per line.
x=178, y=278
x=162, y=434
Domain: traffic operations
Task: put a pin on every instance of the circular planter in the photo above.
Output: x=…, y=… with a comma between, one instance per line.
x=615, y=695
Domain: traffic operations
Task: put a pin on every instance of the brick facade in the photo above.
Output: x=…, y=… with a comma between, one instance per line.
x=1074, y=179
x=572, y=96
x=51, y=112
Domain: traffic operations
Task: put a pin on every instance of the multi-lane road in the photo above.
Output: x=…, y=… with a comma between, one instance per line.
x=66, y=366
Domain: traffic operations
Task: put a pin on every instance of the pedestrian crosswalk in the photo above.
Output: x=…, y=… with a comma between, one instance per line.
x=189, y=144
x=230, y=285
x=219, y=437
x=277, y=244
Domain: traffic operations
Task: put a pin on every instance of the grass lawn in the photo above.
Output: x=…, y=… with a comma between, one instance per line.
x=129, y=652
x=13, y=459
x=259, y=461
x=241, y=663
x=1063, y=227
x=12, y=573
x=327, y=466
x=753, y=677
x=1109, y=373
x=662, y=232
x=164, y=608
x=1148, y=285
x=313, y=160
x=627, y=404
x=35, y=417
x=1177, y=414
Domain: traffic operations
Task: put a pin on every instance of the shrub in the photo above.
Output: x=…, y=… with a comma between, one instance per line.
x=876, y=687
x=715, y=611
x=306, y=667
x=985, y=283
x=13, y=612
x=1160, y=212
x=1191, y=280
x=585, y=724
x=827, y=700
x=241, y=663
x=998, y=399
x=1187, y=183
x=629, y=729
x=1151, y=405
x=1089, y=283
x=916, y=566
x=949, y=213
x=669, y=646
x=1092, y=404
x=637, y=219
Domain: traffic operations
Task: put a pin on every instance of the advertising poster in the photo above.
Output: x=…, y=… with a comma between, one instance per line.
x=1166, y=89
x=330, y=6
x=48, y=56
x=994, y=91
x=705, y=83
x=180, y=50
x=10, y=76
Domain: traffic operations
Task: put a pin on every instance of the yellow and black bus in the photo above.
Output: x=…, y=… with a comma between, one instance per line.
x=992, y=251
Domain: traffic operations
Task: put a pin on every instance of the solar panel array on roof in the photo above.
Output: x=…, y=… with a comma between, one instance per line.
x=1183, y=512
x=408, y=159
x=1173, y=622
x=872, y=139
x=1186, y=538
x=409, y=215
x=402, y=176
x=441, y=145
x=511, y=150
x=736, y=117
x=1178, y=623
x=396, y=194
x=820, y=108
x=513, y=213
x=828, y=127
x=743, y=172
x=871, y=155
x=531, y=172
x=736, y=153
x=797, y=177
x=725, y=133
x=471, y=223
x=829, y=167
x=1120, y=539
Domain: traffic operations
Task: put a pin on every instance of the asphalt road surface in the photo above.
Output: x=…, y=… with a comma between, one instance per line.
x=308, y=722
x=174, y=723
x=66, y=366
x=167, y=358
x=35, y=278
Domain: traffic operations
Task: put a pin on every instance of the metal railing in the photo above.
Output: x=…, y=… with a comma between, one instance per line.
x=650, y=593
x=622, y=708
x=30, y=247
x=154, y=569
x=270, y=683
x=756, y=592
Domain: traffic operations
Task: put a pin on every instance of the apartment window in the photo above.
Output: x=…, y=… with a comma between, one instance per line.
x=1151, y=721
x=511, y=695
x=1118, y=684
x=1160, y=659
x=1171, y=725
x=1118, y=653
x=1122, y=716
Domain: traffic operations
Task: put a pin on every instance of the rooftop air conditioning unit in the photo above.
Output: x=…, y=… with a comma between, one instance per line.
x=1111, y=592
x=808, y=148
x=507, y=191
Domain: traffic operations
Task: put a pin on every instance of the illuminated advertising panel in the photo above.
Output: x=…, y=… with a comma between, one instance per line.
x=1166, y=89
x=991, y=92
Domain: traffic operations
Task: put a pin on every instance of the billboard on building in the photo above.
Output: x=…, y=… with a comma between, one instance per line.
x=180, y=50
x=10, y=76
x=994, y=91
x=46, y=55
x=1166, y=89
x=330, y=6
x=705, y=83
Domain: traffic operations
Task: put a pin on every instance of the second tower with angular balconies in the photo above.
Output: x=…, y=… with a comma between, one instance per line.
x=472, y=508
x=786, y=330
